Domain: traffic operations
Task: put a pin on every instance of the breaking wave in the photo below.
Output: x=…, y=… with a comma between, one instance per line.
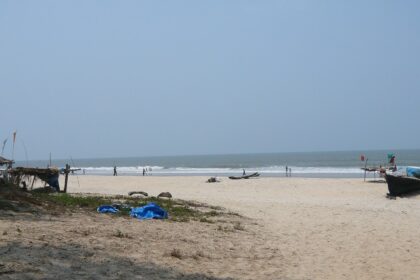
x=271, y=170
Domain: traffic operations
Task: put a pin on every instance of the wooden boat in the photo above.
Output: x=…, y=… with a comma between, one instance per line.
x=398, y=185
x=256, y=174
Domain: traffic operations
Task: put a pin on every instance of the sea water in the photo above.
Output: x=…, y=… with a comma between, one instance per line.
x=303, y=164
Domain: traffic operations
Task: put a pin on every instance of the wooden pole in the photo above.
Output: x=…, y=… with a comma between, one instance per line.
x=365, y=169
x=13, y=149
x=33, y=182
x=66, y=172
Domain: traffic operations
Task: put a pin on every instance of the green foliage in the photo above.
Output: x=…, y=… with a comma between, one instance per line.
x=64, y=199
x=6, y=205
x=178, y=210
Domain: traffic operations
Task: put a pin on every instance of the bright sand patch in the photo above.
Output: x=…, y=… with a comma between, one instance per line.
x=298, y=229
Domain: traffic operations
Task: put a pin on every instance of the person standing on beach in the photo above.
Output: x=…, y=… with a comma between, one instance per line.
x=115, y=170
x=144, y=171
x=243, y=172
x=287, y=170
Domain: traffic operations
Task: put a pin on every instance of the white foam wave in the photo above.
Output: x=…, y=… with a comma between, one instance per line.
x=271, y=170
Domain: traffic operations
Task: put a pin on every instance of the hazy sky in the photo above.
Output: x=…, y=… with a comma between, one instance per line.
x=140, y=78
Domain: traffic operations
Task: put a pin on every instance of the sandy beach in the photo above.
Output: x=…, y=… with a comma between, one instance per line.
x=291, y=104
x=290, y=228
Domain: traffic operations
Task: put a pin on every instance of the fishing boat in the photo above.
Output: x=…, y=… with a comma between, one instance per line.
x=401, y=184
x=256, y=174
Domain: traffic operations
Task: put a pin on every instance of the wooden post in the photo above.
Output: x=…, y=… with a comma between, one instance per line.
x=33, y=182
x=365, y=169
x=66, y=172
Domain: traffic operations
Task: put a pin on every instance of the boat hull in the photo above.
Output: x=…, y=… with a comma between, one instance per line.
x=256, y=174
x=398, y=185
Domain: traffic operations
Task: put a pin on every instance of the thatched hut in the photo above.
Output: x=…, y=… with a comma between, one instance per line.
x=48, y=175
x=5, y=161
x=3, y=170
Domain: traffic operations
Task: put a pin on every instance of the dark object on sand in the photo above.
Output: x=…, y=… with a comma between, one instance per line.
x=120, y=206
x=398, y=185
x=391, y=196
x=213, y=180
x=139, y=192
x=165, y=194
x=256, y=174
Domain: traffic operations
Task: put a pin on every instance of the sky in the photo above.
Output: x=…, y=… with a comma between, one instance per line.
x=88, y=79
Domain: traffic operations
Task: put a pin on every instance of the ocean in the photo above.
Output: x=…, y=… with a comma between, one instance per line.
x=343, y=164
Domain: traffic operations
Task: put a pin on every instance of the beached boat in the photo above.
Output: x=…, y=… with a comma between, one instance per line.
x=398, y=184
x=256, y=174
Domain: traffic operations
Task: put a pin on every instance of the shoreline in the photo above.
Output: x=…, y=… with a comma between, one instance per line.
x=226, y=175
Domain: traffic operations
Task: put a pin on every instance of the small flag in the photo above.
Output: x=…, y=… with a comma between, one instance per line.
x=362, y=157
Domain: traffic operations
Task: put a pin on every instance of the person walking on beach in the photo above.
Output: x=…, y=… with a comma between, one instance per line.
x=287, y=170
x=243, y=172
x=144, y=171
x=115, y=170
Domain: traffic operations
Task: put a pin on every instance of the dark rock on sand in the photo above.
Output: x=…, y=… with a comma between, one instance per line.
x=138, y=192
x=165, y=194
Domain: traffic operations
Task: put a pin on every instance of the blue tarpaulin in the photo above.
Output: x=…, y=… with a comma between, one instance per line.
x=413, y=171
x=149, y=211
x=107, y=209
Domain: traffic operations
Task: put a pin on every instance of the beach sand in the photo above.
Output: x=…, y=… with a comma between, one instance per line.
x=291, y=228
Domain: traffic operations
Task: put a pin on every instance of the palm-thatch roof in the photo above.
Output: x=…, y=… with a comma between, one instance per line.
x=4, y=161
x=42, y=173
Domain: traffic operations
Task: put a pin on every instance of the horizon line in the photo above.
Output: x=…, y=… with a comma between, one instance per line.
x=222, y=154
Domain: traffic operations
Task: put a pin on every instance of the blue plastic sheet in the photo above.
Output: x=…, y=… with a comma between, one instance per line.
x=149, y=211
x=107, y=209
x=413, y=171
